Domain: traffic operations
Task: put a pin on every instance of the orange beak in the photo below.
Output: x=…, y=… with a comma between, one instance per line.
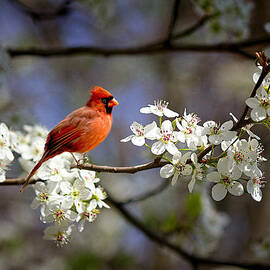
x=113, y=103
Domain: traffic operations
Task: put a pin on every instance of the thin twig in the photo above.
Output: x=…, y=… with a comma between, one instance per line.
x=37, y=15
x=147, y=194
x=190, y=30
x=173, y=20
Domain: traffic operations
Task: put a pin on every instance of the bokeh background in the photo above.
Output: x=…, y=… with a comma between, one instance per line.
x=43, y=90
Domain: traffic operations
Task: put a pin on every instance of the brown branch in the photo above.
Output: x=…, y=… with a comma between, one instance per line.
x=38, y=15
x=153, y=48
x=190, y=30
x=132, y=169
x=173, y=20
x=155, y=237
x=147, y=194
x=157, y=163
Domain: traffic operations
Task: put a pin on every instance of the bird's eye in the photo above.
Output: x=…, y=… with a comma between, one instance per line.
x=104, y=100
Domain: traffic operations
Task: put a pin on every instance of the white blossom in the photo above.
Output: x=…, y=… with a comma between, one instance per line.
x=166, y=139
x=5, y=151
x=60, y=233
x=58, y=211
x=254, y=186
x=190, y=132
x=197, y=173
x=159, y=108
x=225, y=181
x=44, y=193
x=76, y=192
x=97, y=199
x=217, y=133
x=260, y=105
x=141, y=133
x=179, y=167
x=87, y=213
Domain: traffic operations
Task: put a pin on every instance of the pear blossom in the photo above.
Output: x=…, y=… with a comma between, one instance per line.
x=254, y=186
x=97, y=199
x=159, y=108
x=225, y=181
x=260, y=105
x=166, y=139
x=44, y=194
x=243, y=156
x=190, y=132
x=58, y=211
x=55, y=169
x=61, y=233
x=198, y=171
x=217, y=133
x=141, y=133
x=5, y=151
x=179, y=167
x=35, y=150
x=89, y=178
x=75, y=193
x=87, y=213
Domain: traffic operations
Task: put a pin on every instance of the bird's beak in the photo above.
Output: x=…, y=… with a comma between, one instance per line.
x=113, y=103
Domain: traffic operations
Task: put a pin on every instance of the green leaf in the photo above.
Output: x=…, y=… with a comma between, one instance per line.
x=193, y=205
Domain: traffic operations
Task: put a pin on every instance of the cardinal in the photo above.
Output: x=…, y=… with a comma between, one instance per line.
x=82, y=130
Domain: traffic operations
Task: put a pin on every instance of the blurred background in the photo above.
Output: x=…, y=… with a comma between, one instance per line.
x=43, y=90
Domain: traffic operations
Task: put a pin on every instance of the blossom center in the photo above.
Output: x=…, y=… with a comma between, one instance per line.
x=226, y=180
x=139, y=132
x=43, y=196
x=239, y=157
x=59, y=215
x=215, y=130
x=265, y=103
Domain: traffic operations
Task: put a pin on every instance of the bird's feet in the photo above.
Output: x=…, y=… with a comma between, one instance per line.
x=81, y=161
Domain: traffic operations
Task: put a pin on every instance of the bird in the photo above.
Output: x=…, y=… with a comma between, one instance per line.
x=80, y=131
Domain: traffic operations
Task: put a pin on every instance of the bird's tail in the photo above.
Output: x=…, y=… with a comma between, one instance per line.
x=44, y=158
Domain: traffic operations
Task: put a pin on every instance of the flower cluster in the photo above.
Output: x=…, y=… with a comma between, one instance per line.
x=180, y=142
x=66, y=195
x=6, y=147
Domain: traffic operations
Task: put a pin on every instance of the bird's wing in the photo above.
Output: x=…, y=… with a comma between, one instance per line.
x=60, y=137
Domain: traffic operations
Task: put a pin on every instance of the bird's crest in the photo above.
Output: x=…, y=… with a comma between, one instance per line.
x=99, y=92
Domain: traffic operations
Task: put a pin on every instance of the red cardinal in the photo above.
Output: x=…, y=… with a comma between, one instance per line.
x=82, y=130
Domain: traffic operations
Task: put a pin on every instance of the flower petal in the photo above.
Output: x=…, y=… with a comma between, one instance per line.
x=258, y=114
x=219, y=192
x=128, y=138
x=171, y=148
x=213, y=177
x=236, y=188
x=145, y=110
x=158, y=148
x=252, y=102
x=138, y=141
x=167, y=171
x=169, y=113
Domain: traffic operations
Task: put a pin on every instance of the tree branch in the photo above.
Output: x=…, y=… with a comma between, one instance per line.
x=154, y=48
x=61, y=10
x=173, y=20
x=132, y=169
x=194, y=260
x=147, y=194
x=190, y=30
